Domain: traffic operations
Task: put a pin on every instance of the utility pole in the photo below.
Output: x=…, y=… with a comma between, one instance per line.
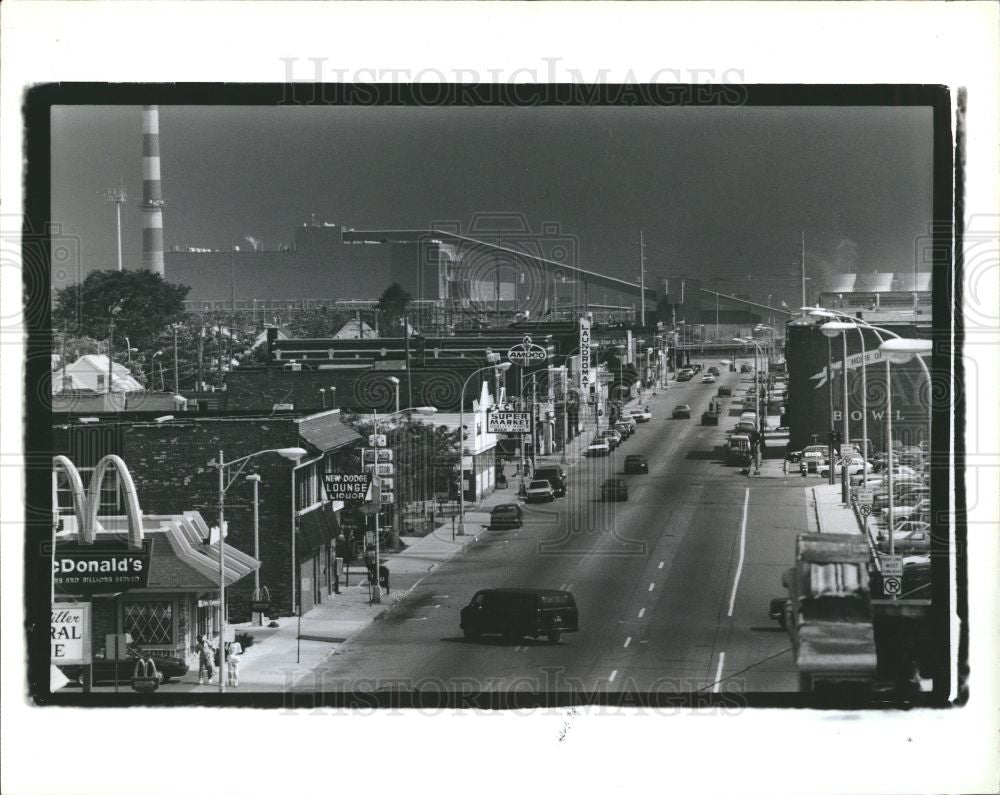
x=119, y=197
x=642, y=280
x=201, y=359
x=803, y=268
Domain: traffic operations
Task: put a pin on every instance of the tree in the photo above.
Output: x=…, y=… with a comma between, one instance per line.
x=320, y=322
x=148, y=304
x=392, y=306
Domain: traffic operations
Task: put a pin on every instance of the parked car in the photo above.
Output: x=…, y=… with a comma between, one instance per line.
x=105, y=670
x=622, y=428
x=682, y=412
x=555, y=475
x=855, y=466
x=725, y=391
x=598, y=447
x=614, y=489
x=631, y=423
x=614, y=438
x=793, y=456
x=708, y=378
x=909, y=538
x=518, y=612
x=697, y=367
x=540, y=491
x=504, y=517
x=746, y=368
x=738, y=451
x=636, y=464
x=745, y=426
x=641, y=415
x=709, y=418
x=913, y=511
x=685, y=375
x=714, y=370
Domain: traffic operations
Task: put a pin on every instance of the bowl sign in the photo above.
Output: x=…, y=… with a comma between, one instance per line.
x=527, y=353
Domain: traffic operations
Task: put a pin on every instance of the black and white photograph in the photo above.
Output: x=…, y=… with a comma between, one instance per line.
x=358, y=396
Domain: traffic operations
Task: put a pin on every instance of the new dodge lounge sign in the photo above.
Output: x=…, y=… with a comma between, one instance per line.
x=101, y=567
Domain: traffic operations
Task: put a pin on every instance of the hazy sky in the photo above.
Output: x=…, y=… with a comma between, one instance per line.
x=718, y=192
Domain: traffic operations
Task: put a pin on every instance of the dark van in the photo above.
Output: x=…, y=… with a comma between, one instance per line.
x=518, y=612
x=555, y=476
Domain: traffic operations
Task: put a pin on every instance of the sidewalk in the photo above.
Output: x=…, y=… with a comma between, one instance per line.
x=829, y=512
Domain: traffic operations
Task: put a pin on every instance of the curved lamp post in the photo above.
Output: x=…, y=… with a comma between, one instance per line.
x=292, y=454
x=756, y=374
x=377, y=489
x=897, y=351
x=831, y=330
x=502, y=367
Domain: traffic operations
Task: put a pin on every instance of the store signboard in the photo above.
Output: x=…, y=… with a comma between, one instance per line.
x=101, y=567
x=508, y=422
x=69, y=634
x=584, y=353
x=346, y=487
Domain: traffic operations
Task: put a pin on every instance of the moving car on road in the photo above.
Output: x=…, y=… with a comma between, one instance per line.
x=614, y=489
x=540, y=491
x=813, y=457
x=518, y=612
x=713, y=370
x=636, y=464
x=685, y=374
x=598, y=447
x=681, y=412
x=641, y=415
x=725, y=391
x=504, y=517
x=708, y=378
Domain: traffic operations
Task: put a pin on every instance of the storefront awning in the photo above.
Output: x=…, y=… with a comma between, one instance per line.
x=318, y=527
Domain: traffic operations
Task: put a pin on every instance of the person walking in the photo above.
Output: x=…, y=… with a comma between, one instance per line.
x=206, y=660
x=755, y=450
x=233, y=652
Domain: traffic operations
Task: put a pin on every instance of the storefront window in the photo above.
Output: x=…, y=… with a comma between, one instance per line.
x=149, y=622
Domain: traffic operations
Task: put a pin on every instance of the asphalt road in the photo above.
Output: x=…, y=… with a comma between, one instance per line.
x=672, y=586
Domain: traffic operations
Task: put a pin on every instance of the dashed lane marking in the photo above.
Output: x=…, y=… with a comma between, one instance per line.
x=718, y=672
x=661, y=565
x=627, y=642
x=642, y=612
x=614, y=673
x=652, y=585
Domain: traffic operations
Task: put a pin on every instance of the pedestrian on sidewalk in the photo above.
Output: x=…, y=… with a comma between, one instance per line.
x=206, y=660
x=233, y=652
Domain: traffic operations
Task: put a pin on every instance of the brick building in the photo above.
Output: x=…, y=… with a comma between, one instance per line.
x=170, y=462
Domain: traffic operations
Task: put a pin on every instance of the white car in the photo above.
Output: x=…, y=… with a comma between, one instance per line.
x=855, y=466
x=909, y=537
x=598, y=447
x=641, y=415
x=540, y=491
x=908, y=512
x=708, y=378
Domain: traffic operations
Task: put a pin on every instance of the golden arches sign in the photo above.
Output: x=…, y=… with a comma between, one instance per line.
x=86, y=506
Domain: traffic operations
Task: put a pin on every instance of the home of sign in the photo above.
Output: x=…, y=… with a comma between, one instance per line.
x=527, y=353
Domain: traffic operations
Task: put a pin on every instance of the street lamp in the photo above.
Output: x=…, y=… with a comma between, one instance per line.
x=395, y=382
x=175, y=327
x=897, y=351
x=292, y=454
x=831, y=329
x=377, y=488
x=152, y=371
x=255, y=479
x=756, y=374
x=502, y=367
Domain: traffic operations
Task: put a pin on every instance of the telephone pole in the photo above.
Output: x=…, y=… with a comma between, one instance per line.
x=804, y=268
x=642, y=280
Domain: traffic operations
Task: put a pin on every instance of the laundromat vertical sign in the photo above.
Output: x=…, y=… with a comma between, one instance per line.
x=584, y=355
x=69, y=634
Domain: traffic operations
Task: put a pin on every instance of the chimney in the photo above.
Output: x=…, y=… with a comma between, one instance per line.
x=152, y=197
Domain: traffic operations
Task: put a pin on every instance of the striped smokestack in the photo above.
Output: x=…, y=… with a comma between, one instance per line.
x=152, y=197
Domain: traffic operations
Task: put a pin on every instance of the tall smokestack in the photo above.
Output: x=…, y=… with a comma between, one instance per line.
x=152, y=197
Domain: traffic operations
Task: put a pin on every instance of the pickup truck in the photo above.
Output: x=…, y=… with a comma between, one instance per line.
x=828, y=613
